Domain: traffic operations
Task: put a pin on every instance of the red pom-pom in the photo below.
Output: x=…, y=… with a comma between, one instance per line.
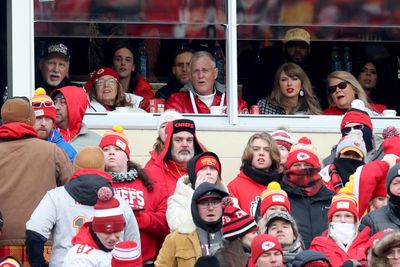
x=304, y=140
x=104, y=193
x=390, y=131
x=226, y=201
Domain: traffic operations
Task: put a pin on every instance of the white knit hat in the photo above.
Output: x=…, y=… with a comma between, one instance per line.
x=168, y=115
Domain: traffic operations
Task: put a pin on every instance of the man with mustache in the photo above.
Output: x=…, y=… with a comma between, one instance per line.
x=45, y=113
x=54, y=68
x=180, y=146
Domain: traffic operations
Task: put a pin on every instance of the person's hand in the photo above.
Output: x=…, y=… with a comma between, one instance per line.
x=201, y=179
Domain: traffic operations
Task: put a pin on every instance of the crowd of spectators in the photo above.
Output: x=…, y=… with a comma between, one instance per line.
x=71, y=197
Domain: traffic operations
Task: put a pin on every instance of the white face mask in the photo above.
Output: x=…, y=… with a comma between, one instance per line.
x=343, y=232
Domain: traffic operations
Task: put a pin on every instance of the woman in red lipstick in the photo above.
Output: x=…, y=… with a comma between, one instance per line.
x=292, y=93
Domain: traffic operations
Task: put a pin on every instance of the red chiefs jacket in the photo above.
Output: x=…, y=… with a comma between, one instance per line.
x=248, y=198
x=149, y=208
x=182, y=102
x=336, y=255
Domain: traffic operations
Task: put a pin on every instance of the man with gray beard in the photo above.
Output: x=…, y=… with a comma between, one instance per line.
x=180, y=146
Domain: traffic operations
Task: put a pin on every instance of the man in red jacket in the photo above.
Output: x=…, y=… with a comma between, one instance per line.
x=203, y=91
x=180, y=146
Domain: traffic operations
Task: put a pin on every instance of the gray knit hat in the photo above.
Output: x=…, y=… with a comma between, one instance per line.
x=352, y=142
x=392, y=173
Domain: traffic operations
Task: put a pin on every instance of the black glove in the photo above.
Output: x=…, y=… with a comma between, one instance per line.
x=35, y=248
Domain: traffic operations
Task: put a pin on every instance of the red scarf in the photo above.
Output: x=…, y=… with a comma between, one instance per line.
x=17, y=130
x=308, y=180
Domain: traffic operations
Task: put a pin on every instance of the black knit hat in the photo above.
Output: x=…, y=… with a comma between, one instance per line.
x=207, y=261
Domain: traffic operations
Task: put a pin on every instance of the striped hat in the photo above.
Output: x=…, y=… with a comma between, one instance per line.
x=283, y=138
x=108, y=217
x=126, y=254
x=236, y=223
x=43, y=104
x=116, y=137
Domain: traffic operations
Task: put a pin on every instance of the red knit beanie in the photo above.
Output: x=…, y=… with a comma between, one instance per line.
x=345, y=200
x=116, y=137
x=264, y=243
x=126, y=254
x=89, y=85
x=273, y=195
x=108, y=216
x=283, y=138
x=303, y=151
x=356, y=116
x=207, y=160
x=43, y=105
x=391, y=144
x=237, y=223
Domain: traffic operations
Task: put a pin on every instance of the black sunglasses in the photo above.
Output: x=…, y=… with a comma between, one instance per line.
x=348, y=129
x=341, y=86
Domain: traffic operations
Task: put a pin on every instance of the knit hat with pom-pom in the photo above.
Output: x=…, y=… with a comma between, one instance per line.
x=43, y=104
x=237, y=223
x=283, y=138
x=126, y=254
x=345, y=200
x=356, y=114
x=116, y=137
x=90, y=157
x=303, y=151
x=108, y=217
x=391, y=144
x=273, y=195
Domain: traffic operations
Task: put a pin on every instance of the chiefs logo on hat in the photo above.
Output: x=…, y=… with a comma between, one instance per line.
x=267, y=245
x=302, y=156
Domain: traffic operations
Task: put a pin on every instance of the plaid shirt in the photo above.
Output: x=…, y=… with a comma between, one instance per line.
x=268, y=108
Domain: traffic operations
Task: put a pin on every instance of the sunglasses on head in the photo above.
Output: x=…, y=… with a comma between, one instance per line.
x=346, y=130
x=341, y=86
x=46, y=103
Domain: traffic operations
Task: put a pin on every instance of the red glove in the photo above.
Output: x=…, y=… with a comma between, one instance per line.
x=143, y=219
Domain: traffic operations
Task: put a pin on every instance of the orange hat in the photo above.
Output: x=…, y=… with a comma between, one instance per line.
x=116, y=137
x=345, y=200
x=273, y=195
x=43, y=104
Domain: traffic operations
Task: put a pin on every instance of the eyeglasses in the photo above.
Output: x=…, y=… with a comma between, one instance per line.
x=346, y=130
x=46, y=104
x=394, y=253
x=213, y=202
x=109, y=82
x=341, y=86
x=203, y=70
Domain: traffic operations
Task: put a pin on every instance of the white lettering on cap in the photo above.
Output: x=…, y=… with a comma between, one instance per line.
x=267, y=245
x=39, y=112
x=278, y=198
x=343, y=205
x=302, y=156
x=120, y=144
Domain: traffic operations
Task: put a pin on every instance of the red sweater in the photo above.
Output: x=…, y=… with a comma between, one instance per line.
x=182, y=103
x=149, y=208
x=247, y=192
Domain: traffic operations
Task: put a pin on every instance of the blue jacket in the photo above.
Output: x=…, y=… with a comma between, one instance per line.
x=56, y=138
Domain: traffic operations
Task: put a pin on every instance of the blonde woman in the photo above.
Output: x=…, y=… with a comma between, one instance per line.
x=342, y=89
x=292, y=93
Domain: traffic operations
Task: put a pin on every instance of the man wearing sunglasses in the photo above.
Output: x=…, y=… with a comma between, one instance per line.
x=358, y=119
x=45, y=113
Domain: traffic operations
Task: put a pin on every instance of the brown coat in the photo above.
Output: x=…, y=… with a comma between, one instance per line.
x=29, y=167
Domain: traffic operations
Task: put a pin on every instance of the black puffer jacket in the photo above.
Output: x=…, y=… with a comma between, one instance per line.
x=310, y=213
x=381, y=219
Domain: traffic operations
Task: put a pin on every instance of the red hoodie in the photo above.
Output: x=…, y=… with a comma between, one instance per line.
x=16, y=130
x=77, y=102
